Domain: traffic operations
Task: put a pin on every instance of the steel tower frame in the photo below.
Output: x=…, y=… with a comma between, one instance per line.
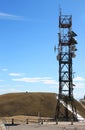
x=66, y=52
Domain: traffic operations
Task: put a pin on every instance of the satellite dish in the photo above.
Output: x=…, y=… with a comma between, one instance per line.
x=73, y=48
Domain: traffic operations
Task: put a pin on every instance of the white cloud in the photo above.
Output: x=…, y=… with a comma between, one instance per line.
x=10, y=16
x=15, y=74
x=10, y=90
x=4, y=69
x=79, y=82
x=30, y=80
x=79, y=79
x=80, y=85
x=44, y=80
x=49, y=81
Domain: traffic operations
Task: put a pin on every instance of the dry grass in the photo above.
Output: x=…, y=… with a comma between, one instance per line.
x=31, y=104
x=24, y=119
x=80, y=109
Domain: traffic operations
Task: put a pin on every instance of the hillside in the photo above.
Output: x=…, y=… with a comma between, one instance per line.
x=83, y=102
x=28, y=104
x=32, y=104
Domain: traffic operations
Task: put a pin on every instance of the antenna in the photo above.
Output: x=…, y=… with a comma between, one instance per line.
x=60, y=11
x=66, y=52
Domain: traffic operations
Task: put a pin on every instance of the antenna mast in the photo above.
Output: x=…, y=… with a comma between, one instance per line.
x=66, y=52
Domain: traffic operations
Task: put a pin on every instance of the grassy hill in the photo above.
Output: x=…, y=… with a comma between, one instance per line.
x=83, y=102
x=30, y=104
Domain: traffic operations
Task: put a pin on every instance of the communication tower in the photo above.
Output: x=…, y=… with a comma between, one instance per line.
x=66, y=52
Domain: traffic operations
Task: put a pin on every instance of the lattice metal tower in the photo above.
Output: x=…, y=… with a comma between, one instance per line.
x=66, y=52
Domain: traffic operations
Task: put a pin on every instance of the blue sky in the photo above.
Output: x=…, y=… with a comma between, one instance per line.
x=28, y=33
